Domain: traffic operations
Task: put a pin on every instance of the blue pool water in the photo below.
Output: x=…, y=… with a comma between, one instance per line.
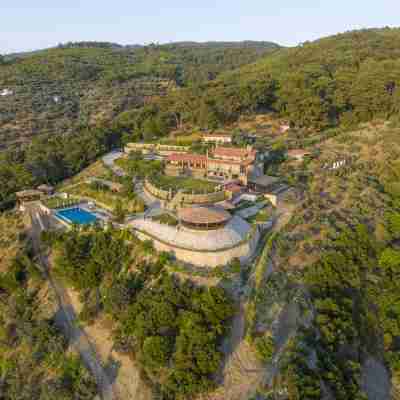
x=76, y=216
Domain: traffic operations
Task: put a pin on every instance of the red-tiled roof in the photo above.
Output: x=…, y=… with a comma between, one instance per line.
x=242, y=157
x=233, y=152
x=217, y=134
x=187, y=157
x=297, y=152
x=204, y=215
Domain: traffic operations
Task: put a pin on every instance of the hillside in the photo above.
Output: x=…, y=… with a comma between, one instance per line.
x=319, y=308
x=334, y=285
x=36, y=360
x=55, y=91
x=342, y=79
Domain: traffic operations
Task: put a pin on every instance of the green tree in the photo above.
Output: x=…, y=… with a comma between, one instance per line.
x=157, y=351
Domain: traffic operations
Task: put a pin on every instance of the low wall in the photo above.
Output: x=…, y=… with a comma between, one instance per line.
x=243, y=251
x=186, y=198
x=155, y=191
x=213, y=197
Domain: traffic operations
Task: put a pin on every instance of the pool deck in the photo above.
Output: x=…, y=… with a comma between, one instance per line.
x=101, y=215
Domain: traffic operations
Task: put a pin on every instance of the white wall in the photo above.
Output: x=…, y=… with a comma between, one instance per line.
x=208, y=259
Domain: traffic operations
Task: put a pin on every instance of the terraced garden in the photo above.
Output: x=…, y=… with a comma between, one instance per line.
x=187, y=184
x=106, y=198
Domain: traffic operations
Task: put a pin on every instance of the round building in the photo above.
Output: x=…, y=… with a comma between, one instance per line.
x=203, y=218
x=205, y=236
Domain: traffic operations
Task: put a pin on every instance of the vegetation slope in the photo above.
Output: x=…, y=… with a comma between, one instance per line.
x=35, y=359
x=337, y=263
x=55, y=91
x=342, y=79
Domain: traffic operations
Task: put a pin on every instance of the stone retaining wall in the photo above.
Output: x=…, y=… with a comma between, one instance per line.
x=155, y=191
x=208, y=198
x=185, y=198
x=243, y=251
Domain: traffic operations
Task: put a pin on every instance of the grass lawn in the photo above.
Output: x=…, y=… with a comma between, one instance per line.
x=182, y=139
x=122, y=163
x=262, y=216
x=107, y=198
x=139, y=168
x=188, y=184
x=166, y=219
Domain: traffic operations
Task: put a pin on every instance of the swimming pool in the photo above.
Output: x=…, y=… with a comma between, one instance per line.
x=77, y=216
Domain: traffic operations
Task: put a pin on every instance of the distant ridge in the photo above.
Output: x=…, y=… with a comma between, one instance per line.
x=183, y=44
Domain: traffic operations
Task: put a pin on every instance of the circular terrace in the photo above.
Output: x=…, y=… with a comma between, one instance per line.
x=203, y=218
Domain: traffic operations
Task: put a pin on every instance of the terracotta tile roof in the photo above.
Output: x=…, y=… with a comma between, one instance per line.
x=187, y=157
x=298, y=152
x=217, y=134
x=233, y=152
x=226, y=162
x=204, y=215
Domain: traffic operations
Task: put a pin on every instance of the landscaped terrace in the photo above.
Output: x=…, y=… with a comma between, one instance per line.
x=106, y=198
x=187, y=184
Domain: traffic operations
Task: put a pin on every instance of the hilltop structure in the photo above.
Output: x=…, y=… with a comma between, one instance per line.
x=222, y=163
x=206, y=236
x=218, y=138
x=162, y=149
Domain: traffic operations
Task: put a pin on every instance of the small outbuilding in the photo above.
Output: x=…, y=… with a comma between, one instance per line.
x=263, y=183
x=27, y=196
x=298, y=154
x=46, y=189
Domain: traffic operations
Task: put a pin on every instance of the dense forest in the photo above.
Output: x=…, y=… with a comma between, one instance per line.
x=59, y=90
x=342, y=79
x=339, y=80
x=50, y=160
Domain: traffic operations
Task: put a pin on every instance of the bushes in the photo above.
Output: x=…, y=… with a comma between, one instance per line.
x=34, y=359
x=50, y=160
x=184, y=324
x=173, y=328
x=265, y=348
x=342, y=300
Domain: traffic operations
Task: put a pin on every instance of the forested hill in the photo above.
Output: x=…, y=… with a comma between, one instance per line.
x=57, y=90
x=342, y=79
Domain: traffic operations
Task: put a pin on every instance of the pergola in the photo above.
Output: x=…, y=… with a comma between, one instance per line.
x=25, y=196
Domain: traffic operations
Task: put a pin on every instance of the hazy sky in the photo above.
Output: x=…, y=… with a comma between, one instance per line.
x=28, y=24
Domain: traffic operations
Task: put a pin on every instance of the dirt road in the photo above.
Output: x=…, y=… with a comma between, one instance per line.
x=66, y=317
